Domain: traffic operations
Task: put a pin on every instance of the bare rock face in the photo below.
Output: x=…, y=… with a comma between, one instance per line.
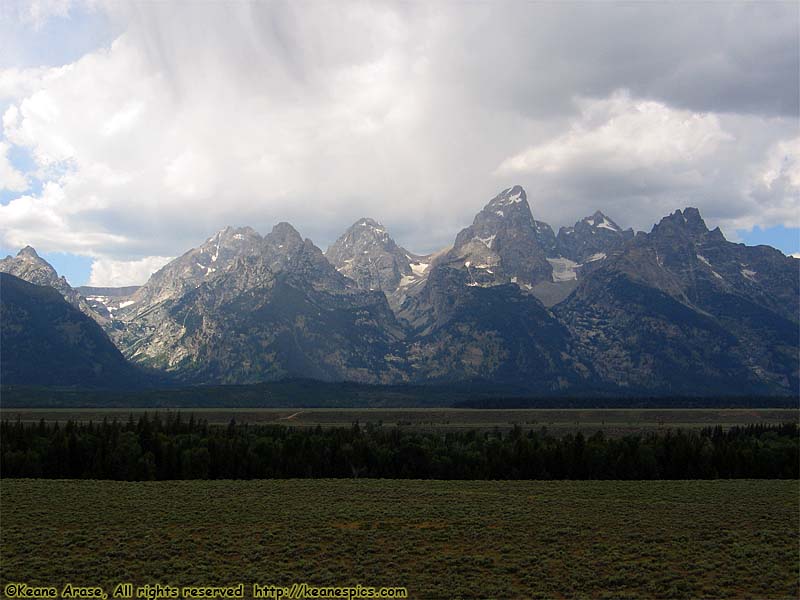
x=474, y=319
x=278, y=308
x=546, y=238
x=495, y=333
x=368, y=255
x=591, y=239
x=188, y=271
x=502, y=244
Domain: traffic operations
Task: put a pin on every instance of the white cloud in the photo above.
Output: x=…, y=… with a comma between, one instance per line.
x=641, y=159
x=10, y=178
x=782, y=164
x=17, y=83
x=117, y=273
x=620, y=135
x=44, y=221
x=209, y=114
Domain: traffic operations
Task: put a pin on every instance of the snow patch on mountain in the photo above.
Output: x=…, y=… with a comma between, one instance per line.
x=419, y=268
x=563, y=269
x=749, y=274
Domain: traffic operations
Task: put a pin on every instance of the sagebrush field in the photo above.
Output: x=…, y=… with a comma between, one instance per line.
x=441, y=539
x=612, y=422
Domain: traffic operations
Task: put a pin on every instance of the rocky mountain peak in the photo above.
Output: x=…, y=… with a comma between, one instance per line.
x=509, y=211
x=367, y=224
x=369, y=256
x=510, y=204
x=367, y=232
x=284, y=234
x=513, y=195
x=686, y=221
x=591, y=239
x=502, y=244
x=281, y=245
x=28, y=252
x=546, y=238
x=598, y=219
x=717, y=234
x=31, y=267
x=214, y=256
x=229, y=241
x=308, y=265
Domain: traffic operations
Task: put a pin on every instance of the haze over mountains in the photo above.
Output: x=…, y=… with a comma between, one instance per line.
x=593, y=308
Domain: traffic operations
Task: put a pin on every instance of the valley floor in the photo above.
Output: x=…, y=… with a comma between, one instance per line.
x=612, y=422
x=440, y=539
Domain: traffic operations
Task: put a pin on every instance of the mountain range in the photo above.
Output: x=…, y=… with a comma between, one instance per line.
x=591, y=309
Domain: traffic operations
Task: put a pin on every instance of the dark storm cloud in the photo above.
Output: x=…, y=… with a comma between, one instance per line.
x=533, y=57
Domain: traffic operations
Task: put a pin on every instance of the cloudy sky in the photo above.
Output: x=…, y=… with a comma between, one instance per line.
x=132, y=131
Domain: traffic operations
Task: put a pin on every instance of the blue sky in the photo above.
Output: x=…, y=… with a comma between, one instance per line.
x=169, y=121
x=785, y=239
x=56, y=40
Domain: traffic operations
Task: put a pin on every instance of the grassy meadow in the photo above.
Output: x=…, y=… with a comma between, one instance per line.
x=440, y=539
x=613, y=421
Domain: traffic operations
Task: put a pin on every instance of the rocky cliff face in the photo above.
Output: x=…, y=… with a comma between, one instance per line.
x=366, y=254
x=501, y=245
x=576, y=252
x=107, y=300
x=474, y=317
x=215, y=256
x=591, y=239
x=279, y=310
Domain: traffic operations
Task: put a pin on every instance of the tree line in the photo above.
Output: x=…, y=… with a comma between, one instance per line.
x=163, y=447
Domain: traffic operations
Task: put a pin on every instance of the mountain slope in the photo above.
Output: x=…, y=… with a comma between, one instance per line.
x=474, y=318
x=497, y=333
x=46, y=341
x=682, y=310
x=188, y=271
